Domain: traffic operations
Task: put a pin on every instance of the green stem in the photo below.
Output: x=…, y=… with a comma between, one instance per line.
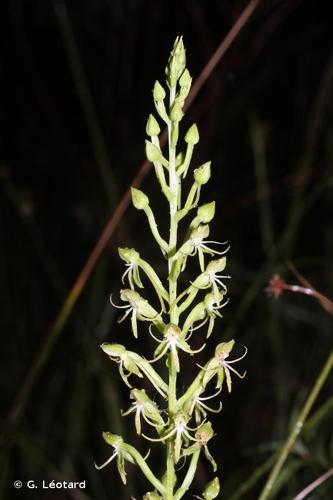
x=140, y=461
x=153, y=227
x=287, y=448
x=189, y=476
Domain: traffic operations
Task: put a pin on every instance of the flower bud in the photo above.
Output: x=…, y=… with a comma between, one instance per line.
x=152, y=152
x=185, y=80
x=192, y=135
x=152, y=127
x=176, y=63
x=176, y=113
x=151, y=495
x=202, y=174
x=139, y=199
x=206, y=212
x=212, y=489
x=158, y=92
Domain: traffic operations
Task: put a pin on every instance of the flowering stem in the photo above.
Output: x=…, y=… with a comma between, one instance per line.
x=287, y=448
x=172, y=396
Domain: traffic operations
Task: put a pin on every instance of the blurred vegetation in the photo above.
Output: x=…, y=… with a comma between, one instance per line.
x=76, y=82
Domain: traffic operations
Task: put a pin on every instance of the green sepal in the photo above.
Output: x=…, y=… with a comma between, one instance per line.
x=113, y=350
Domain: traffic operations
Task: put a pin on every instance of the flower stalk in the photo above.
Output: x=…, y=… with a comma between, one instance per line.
x=183, y=427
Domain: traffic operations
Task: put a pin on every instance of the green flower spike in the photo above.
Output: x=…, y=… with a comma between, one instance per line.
x=167, y=327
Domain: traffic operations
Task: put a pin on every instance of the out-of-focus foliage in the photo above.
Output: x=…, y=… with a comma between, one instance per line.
x=71, y=141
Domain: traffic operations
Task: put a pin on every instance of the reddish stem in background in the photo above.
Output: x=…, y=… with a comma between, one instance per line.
x=278, y=285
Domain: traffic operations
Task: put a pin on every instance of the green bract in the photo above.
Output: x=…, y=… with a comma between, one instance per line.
x=173, y=309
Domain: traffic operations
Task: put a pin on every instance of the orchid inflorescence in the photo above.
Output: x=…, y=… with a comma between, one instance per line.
x=175, y=321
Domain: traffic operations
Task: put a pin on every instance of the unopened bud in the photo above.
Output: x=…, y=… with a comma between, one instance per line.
x=192, y=135
x=212, y=489
x=152, y=152
x=139, y=199
x=185, y=80
x=176, y=63
x=176, y=113
x=152, y=127
x=151, y=495
x=158, y=92
x=206, y=212
x=202, y=174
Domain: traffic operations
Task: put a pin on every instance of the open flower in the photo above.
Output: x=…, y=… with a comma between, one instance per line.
x=117, y=443
x=220, y=367
x=173, y=339
x=203, y=434
x=134, y=263
x=204, y=311
x=138, y=308
x=125, y=360
x=197, y=244
x=211, y=277
x=198, y=404
x=180, y=429
x=134, y=364
x=145, y=407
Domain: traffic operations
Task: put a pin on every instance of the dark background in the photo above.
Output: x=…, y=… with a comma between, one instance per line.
x=76, y=82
